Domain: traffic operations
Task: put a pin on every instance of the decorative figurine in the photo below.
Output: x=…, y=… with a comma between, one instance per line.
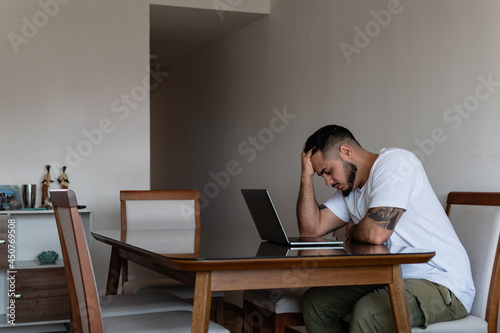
x=63, y=179
x=3, y=201
x=45, y=185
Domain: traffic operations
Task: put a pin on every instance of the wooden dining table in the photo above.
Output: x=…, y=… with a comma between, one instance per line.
x=226, y=261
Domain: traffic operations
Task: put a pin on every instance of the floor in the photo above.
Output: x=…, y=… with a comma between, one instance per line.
x=233, y=320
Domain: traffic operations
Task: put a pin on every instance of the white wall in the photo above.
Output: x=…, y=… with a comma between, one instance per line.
x=67, y=78
x=60, y=92
x=247, y=6
x=398, y=86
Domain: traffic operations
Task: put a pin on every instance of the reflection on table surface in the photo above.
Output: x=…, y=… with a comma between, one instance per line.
x=237, y=244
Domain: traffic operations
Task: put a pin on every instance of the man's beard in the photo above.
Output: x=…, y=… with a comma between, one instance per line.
x=350, y=171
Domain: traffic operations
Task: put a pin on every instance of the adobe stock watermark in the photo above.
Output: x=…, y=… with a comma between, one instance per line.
x=249, y=149
x=372, y=29
x=11, y=273
x=454, y=117
x=122, y=107
x=222, y=6
x=31, y=26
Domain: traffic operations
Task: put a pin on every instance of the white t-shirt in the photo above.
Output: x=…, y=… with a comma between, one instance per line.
x=398, y=179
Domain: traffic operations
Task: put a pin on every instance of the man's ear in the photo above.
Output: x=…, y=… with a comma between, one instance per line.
x=346, y=152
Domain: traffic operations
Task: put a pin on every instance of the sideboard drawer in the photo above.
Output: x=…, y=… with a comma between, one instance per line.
x=41, y=294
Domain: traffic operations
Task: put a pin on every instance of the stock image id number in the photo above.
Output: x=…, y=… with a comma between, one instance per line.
x=11, y=240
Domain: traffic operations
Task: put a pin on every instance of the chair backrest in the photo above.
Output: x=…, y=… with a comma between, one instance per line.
x=85, y=307
x=160, y=209
x=161, y=221
x=476, y=219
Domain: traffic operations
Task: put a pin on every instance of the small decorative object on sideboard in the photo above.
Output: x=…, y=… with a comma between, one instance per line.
x=48, y=257
x=16, y=204
x=29, y=195
x=63, y=179
x=45, y=185
x=8, y=193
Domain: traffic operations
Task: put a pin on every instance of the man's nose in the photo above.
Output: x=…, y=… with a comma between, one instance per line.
x=329, y=181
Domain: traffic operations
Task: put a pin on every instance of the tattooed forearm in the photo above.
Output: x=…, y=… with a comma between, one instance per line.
x=385, y=217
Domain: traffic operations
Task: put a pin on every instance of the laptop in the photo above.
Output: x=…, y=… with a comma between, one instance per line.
x=269, y=225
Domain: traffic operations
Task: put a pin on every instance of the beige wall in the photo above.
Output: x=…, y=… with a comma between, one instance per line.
x=417, y=79
x=66, y=70
x=72, y=92
x=248, y=6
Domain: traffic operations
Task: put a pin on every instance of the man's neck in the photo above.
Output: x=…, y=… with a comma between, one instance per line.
x=366, y=161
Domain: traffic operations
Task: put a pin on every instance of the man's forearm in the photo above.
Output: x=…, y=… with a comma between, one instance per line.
x=307, y=207
x=377, y=226
x=364, y=233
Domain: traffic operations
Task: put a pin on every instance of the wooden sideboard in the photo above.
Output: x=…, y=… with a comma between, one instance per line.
x=36, y=293
x=41, y=293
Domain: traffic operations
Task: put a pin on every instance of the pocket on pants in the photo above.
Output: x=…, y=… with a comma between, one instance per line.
x=438, y=304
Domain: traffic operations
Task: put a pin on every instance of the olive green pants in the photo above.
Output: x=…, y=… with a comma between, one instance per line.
x=370, y=308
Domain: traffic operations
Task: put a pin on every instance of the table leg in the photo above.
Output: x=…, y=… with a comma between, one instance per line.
x=202, y=302
x=399, y=304
x=115, y=266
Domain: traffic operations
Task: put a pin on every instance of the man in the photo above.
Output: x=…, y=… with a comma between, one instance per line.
x=387, y=199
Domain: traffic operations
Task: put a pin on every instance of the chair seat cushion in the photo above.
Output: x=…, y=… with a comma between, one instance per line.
x=158, y=285
x=130, y=304
x=277, y=300
x=469, y=324
x=174, y=321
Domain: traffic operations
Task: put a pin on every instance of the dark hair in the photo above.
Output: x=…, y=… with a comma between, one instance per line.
x=329, y=137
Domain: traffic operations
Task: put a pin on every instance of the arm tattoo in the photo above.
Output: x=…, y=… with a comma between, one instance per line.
x=385, y=217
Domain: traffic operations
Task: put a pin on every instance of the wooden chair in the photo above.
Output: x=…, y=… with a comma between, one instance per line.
x=177, y=211
x=277, y=309
x=476, y=219
x=87, y=307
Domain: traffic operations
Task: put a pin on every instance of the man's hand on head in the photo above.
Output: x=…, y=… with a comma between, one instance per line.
x=307, y=168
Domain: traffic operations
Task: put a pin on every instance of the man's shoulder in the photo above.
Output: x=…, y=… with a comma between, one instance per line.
x=397, y=160
x=398, y=154
x=395, y=151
